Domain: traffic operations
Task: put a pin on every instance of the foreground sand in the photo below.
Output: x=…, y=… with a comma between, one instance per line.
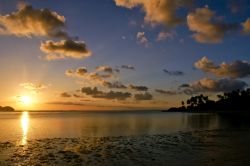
x=210, y=147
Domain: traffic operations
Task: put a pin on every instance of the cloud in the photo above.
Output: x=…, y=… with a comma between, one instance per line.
x=97, y=76
x=246, y=26
x=221, y=85
x=117, y=70
x=173, y=73
x=65, y=95
x=52, y=57
x=137, y=88
x=184, y=86
x=79, y=72
x=28, y=22
x=206, y=30
x=65, y=49
x=95, y=93
x=238, y=6
x=142, y=39
x=106, y=69
x=143, y=96
x=116, y=85
x=166, y=92
x=33, y=86
x=67, y=103
x=235, y=6
x=91, y=77
x=130, y=67
x=164, y=35
x=91, y=91
x=157, y=11
x=237, y=69
x=77, y=96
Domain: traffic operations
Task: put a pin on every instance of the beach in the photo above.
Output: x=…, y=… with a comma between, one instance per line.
x=207, y=147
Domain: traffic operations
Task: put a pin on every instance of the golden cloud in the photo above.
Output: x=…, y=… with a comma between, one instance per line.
x=35, y=87
x=246, y=26
x=207, y=31
x=237, y=69
x=156, y=11
x=79, y=72
x=107, y=69
x=221, y=85
x=28, y=22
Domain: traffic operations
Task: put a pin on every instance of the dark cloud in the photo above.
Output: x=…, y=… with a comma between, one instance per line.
x=81, y=71
x=117, y=70
x=99, y=77
x=234, y=6
x=77, y=96
x=184, y=86
x=65, y=94
x=143, y=96
x=95, y=93
x=128, y=67
x=67, y=103
x=238, y=6
x=116, y=85
x=91, y=91
x=166, y=92
x=237, y=69
x=173, y=73
x=137, y=88
x=65, y=48
x=206, y=30
x=29, y=22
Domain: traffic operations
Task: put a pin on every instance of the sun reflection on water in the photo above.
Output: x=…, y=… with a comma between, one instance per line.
x=25, y=127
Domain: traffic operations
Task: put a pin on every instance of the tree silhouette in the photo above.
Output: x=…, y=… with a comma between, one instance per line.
x=229, y=101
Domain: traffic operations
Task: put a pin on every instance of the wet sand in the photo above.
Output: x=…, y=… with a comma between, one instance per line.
x=209, y=147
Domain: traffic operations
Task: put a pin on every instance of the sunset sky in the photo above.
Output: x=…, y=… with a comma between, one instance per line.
x=120, y=54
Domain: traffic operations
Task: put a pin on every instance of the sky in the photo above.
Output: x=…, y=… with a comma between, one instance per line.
x=121, y=54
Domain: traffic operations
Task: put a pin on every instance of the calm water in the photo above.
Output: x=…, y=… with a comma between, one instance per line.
x=29, y=125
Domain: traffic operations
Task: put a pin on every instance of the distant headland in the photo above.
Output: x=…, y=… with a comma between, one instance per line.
x=6, y=109
x=231, y=101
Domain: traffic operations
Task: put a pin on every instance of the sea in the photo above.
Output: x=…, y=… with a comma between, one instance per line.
x=27, y=125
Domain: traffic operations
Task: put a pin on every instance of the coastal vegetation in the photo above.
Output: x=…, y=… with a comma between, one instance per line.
x=237, y=100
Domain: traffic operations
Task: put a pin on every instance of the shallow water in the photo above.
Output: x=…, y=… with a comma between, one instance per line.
x=23, y=126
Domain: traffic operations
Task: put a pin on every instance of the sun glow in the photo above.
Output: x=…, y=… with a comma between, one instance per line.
x=26, y=100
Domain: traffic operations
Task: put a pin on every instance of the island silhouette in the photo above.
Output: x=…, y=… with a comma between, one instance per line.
x=6, y=109
x=237, y=100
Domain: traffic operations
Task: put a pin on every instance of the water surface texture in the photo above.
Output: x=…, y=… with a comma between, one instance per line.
x=32, y=125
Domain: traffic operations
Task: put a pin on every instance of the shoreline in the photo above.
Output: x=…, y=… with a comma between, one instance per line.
x=213, y=147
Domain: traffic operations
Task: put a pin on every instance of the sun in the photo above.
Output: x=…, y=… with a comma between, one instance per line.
x=26, y=100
